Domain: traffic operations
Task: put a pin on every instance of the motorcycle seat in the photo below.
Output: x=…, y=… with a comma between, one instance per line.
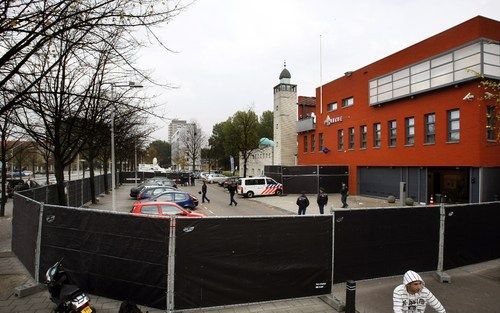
x=67, y=292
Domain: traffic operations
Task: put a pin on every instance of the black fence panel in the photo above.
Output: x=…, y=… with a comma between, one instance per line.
x=298, y=184
x=300, y=170
x=109, y=254
x=334, y=170
x=273, y=171
x=224, y=261
x=332, y=183
x=25, y=220
x=385, y=242
x=472, y=234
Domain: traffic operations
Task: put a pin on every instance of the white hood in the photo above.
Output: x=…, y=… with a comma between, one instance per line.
x=411, y=276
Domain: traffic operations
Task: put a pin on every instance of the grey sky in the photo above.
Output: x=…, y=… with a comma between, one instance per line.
x=229, y=53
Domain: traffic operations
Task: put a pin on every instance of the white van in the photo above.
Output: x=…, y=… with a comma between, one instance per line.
x=259, y=186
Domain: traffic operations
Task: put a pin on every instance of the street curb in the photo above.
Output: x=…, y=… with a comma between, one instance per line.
x=28, y=289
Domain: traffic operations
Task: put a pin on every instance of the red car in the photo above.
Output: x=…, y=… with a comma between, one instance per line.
x=165, y=209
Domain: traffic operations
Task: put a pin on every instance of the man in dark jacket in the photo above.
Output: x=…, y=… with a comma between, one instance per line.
x=232, y=190
x=303, y=203
x=204, y=193
x=322, y=200
x=344, y=192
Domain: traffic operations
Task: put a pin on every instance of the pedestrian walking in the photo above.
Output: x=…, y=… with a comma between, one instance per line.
x=232, y=190
x=204, y=193
x=412, y=296
x=344, y=192
x=322, y=200
x=303, y=203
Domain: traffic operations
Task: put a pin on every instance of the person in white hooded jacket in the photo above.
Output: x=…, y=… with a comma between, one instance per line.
x=412, y=296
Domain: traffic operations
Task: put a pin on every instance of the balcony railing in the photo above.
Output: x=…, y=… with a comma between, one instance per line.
x=306, y=124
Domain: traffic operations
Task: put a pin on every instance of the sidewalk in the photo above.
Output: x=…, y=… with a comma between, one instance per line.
x=473, y=288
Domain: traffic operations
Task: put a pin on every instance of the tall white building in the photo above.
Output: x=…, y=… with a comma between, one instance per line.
x=175, y=124
x=285, y=120
x=180, y=158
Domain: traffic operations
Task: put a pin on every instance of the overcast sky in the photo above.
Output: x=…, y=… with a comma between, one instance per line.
x=229, y=53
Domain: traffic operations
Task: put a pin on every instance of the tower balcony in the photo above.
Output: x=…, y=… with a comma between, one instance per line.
x=306, y=124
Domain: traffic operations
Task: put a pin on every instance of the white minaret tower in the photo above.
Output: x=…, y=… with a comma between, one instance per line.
x=285, y=120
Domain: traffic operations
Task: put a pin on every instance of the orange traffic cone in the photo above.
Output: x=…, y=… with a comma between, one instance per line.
x=431, y=201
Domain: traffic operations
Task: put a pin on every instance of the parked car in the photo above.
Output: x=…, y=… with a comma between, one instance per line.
x=182, y=198
x=165, y=209
x=134, y=191
x=151, y=191
x=259, y=186
x=215, y=178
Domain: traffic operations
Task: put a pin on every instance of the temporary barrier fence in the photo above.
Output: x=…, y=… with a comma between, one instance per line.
x=181, y=263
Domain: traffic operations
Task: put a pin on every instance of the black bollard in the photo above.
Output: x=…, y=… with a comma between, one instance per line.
x=350, y=296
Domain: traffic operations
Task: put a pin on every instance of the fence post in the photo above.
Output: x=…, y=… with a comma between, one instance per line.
x=171, y=266
x=38, y=244
x=442, y=276
x=350, y=296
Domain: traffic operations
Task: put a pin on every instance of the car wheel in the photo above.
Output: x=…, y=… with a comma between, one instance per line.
x=279, y=192
x=250, y=194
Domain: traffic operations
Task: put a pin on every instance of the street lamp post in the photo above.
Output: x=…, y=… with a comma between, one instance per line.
x=113, y=172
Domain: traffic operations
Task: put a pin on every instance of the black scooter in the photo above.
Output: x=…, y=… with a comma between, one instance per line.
x=67, y=297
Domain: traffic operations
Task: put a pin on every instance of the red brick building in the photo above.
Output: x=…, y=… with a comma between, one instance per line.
x=417, y=116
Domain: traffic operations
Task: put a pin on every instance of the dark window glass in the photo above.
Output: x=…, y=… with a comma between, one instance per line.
x=392, y=133
x=454, y=125
x=430, y=124
x=410, y=130
x=377, y=134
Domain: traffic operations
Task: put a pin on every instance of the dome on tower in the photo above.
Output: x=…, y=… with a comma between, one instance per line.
x=285, y=74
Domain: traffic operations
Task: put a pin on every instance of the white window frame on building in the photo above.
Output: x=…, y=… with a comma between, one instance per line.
x=340, y=138
x=410, y=131
x=430, y=128
x=377, y=135
x=347, y=102
x=331, y=106
x=363, y=133
x=350, y=133
x=453, y=125
x=392, y=133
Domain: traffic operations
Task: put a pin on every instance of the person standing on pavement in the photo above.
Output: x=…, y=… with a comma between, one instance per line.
x=322, y=200
x=204, y=193
x=344, y=192
x=303, y=203
x=191, y=177
x=412, y=296
x=232, y=190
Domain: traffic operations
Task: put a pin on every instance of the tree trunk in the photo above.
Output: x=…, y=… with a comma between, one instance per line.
x=59, y=173
x=105, y=171
x=92, y=181
x=4, y=175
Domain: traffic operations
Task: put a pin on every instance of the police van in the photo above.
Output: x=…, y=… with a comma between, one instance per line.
x=259, y=186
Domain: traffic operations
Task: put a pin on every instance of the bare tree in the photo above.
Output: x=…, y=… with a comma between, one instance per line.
x=29, y=27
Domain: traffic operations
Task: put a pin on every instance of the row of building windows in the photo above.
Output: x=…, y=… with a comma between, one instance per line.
x=453, y=132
